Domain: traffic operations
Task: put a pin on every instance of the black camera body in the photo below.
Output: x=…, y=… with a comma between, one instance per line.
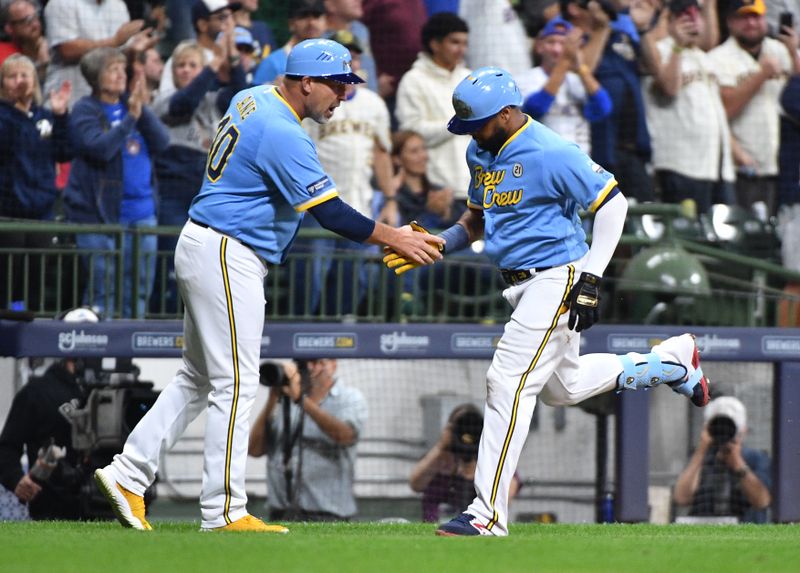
x=272, y=374
x=722, y=429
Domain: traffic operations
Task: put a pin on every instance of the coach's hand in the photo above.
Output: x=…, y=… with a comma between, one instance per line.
x=401, y=263
x=584, y=302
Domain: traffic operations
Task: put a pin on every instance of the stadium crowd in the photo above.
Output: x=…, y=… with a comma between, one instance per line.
x=108, y=108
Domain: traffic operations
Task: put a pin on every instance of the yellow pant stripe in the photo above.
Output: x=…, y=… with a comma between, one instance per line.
x=510, y=431
x=235, y=357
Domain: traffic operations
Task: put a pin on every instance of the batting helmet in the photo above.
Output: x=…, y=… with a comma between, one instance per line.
x=479, y=96
x=320, y=58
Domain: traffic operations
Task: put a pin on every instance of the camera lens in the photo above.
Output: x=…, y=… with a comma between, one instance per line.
x=722, y=430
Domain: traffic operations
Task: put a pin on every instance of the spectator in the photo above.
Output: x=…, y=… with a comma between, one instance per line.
x=34, y=139
x=76, y=27
x=115, y=138
x=724, y=478
x=263, y=38
x=489, y=21
x=23, y=28
x=319, y=455
x=353, y=148
x=152, y=67
x=210, y=19
x=446, y=473
x=620, y=141
x=395, y=28
x=191, y=115
x=418, y=199
x=306, y=21
x=683, y=105
x=752, y=72
x=562, y=92
x=345, y=16
x=424, y=99
x=52, y=487
x=789, y=155
x=246, y=48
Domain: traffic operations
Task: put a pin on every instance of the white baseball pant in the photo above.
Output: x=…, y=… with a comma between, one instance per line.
x=221, y=282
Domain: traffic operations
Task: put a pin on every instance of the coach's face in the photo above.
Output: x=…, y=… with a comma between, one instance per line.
x=324, y=96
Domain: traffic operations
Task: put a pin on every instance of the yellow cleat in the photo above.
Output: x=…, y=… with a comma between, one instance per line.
x=127, y=506
x=250, y=523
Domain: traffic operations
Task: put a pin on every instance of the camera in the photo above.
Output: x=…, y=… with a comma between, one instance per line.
x=272, y=374
x=722, y=429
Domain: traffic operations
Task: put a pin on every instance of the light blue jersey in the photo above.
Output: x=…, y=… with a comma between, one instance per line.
x=530, y=194
x=261, y=175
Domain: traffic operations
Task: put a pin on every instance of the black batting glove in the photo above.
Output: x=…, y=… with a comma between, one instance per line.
x=584, y=302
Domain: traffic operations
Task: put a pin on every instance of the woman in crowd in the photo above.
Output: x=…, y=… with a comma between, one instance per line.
x=115, y=136
x=34, y=139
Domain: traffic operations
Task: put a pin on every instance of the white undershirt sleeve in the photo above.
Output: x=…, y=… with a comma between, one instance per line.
x=608, y=223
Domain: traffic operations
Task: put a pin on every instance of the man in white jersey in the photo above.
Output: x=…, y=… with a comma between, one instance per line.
x=262, y=175
x=752, y=70
x=683, y=105
x=527, y=187
x=352, y=147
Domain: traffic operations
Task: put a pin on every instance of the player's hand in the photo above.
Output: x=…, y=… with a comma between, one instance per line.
x=401, y=263
x=27, y=489
x=584, y=302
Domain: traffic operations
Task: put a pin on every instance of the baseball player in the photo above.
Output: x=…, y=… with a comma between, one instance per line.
x=262, y=175
x=527, y=186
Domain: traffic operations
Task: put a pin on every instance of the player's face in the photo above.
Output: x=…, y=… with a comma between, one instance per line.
x=325, y=97
x=748, y=29
x=113, y=79
x=186, y=69
x=492, y=134
x=18, y=83
x=414, y=156
x=449, y=51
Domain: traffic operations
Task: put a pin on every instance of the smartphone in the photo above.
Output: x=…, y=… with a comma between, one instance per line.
x=786, y=20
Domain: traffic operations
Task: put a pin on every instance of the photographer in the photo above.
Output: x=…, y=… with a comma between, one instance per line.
x=445, y=475
x=722, y=477
x=52, y=487
x=310, y=467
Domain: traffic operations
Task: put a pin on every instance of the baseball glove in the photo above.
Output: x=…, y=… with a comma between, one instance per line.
x=397, y=262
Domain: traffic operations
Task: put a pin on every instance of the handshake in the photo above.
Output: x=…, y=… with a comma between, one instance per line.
x=401, y=263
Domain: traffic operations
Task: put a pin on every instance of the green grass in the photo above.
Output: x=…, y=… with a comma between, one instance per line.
x=177, y=547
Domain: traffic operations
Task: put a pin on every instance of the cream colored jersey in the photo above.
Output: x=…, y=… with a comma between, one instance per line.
x=346, y=145
x=756, y=127
x=689, y=132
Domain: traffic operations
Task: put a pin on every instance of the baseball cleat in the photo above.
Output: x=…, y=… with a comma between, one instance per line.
x=250, y=523
x=127, y=506
x=464, y=524
x=695, y=385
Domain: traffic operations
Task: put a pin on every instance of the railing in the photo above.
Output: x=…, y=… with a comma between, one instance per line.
x=742, y=290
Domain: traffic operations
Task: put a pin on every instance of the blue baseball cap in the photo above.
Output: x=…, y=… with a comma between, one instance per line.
x=481, y=95
x=319, y=58
x=558, y=26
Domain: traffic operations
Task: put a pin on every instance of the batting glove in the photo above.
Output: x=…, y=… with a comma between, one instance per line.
x=398, y=262
x=584, y=302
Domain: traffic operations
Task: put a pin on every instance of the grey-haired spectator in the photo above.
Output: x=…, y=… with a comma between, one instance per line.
x=345, y=16
x=115, y=136
x=306, y=21
x=424, y=99
x=752, y=71
x=211, y=20
x=34, y=139
x=75, y=27
x=23, y=28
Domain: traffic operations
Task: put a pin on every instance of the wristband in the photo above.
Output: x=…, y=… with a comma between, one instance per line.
x=457, y=238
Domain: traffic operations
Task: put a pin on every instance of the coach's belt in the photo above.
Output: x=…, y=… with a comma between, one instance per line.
x=512, y=277
x=205, y=226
